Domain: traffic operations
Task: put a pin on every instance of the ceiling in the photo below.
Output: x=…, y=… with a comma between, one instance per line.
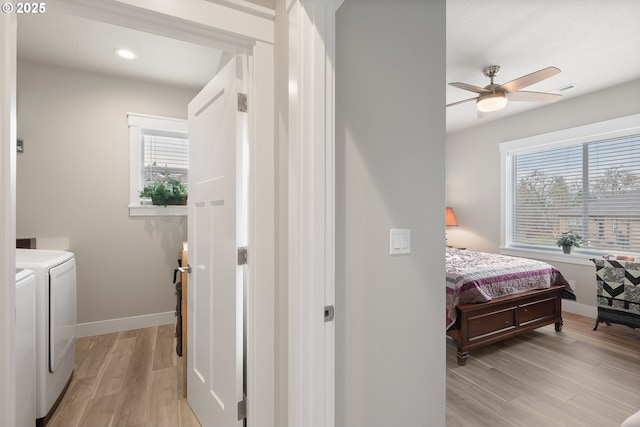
x=75, y=42
x=594, y=42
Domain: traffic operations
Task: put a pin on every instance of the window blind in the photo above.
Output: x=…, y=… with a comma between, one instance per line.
x=162, y=154
x=592, y=188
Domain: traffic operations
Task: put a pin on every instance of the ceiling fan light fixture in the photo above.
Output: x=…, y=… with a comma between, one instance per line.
x=491, y=102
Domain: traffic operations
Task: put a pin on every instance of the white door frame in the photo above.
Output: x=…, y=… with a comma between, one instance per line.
x=8, y=37
x=311, y=381
x=235, y=26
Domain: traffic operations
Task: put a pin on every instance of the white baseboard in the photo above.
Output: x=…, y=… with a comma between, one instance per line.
x=581, y=309
x=124, y=324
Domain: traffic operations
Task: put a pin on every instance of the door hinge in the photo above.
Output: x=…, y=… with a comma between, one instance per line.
x=242, y=255
x=242, y=409
x=242, y=102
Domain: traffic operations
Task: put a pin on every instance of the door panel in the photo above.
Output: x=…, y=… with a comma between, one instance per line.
x=215, y=343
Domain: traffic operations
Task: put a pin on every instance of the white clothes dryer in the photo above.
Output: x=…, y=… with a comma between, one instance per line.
x=55, y=273
x=25, y=348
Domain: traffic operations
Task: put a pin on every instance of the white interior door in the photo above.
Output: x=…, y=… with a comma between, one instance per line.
x=216, y=228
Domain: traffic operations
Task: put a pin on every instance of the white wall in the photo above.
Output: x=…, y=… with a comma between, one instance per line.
x=73, y=181
x=473, y=168
x=390, y=143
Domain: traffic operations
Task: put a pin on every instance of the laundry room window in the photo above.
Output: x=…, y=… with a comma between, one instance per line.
x=159, y=146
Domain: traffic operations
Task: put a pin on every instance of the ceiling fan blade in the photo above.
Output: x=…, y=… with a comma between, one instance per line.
x=533, y=96
x=461, y=102
x=529, y=79
x=470, y=88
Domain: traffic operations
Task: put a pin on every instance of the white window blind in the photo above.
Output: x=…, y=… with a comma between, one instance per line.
x=590, y=187
x=165, y=154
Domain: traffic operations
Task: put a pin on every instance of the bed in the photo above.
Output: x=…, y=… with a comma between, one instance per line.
x=491, y=297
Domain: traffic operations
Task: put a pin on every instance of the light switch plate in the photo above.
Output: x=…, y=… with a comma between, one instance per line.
x=399, y=241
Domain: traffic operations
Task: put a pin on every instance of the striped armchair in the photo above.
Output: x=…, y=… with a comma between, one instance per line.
x=618, y=290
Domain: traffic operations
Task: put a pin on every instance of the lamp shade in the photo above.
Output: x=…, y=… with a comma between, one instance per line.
x=450, y=217
x=491, y=102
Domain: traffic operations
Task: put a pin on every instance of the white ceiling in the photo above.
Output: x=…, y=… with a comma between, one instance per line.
x=80, y=43
x=596, y=44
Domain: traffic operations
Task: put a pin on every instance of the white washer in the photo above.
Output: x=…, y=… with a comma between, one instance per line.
x=25, y=348
x=55, y=273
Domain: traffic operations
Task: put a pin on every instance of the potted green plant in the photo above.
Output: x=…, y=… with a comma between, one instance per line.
x=567, y=240
x=165, y=190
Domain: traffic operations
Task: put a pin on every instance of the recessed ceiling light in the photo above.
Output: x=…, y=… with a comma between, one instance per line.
x=125, y=53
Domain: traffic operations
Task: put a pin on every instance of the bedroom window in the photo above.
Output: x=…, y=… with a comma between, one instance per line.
x=585, y=179
x=159, y=146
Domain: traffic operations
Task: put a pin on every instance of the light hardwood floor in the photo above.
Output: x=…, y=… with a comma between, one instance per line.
x=574, y=378
x=126, y=379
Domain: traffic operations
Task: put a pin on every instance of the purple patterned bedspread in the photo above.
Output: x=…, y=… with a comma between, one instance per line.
x=474, y=277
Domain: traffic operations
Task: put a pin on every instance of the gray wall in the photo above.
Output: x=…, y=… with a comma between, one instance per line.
x=390, y=147
x=73, y=181
x=473, y=168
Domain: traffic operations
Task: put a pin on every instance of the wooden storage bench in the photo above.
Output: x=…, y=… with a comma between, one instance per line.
x=481, y=324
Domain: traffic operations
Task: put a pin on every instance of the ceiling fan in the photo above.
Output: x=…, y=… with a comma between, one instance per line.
x=493, y=97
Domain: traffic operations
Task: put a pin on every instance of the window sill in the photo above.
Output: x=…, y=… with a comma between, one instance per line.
x=573, y=258
x=149, y=210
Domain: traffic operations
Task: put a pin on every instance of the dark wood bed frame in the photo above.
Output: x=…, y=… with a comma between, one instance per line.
x=485, y=323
